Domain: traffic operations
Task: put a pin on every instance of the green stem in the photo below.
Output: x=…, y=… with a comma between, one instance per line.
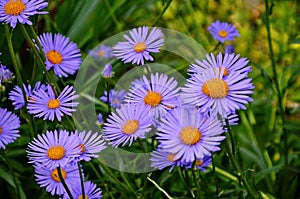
x=230, y=136
x=49, y=77
x=13, y=57
x=64, y=183
x=279, y=94
x=113, y=16
x=236, y=166
x=215, y=176
x=145, y=175
x=196, y=181
x=81, y=179
x=162, y=12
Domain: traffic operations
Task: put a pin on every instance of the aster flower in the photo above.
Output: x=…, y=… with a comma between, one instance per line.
x=161, y=159
x=127, y=124
x=54, y=149
x=90, y=145
x=102, y=52
x=45, y=104
x=99, y=119
x=5, y=74
x=61, y=54
x=230, y=62
x=115, y=97
x=200, y=164
x=9, y=124
x=160, y=93
x=107, y=71
x=229, y=49
x=17, y=97
x=91, y=191
x=49, y=178
x=189, y=135
x=223, y=96
x=14, y=11
x=139, y=45
x=223, y=31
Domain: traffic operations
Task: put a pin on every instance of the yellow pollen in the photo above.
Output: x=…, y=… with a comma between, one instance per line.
x=54, y=57
x=0, y=129
x=190, y=135
x=101, y=53
x=55, y=176
x=56, y=152
x=14, y=7
x=130, y=127
x=198, y=163
x=215, y=88
x=139, y=47
x=53, y=103
x=153, y=98
x=82, y=148
x=222, y=33
x=81, y=197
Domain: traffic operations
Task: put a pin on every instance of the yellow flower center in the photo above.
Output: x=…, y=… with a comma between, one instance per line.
x=55, y=176
x=54, y=57
x=53, y=103
x=225, y=71
x=56, y=152
x=0, y=129
x=14, y=7
x=139, y=47
x=222, y=33
x=215, y=88
x=190, y=135
x=101, y=53
x=171, y=157
x=82, y=148
x=153, y=98
x=115, y=101
x=198, y=163
x=130, y=127
x=81, y=197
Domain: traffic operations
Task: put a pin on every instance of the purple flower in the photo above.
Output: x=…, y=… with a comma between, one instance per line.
x=223, y=31
x=5, y=74
x=54, y=149
x=14, y=11
x=229, y=49
x=9, y=124
x=17, y=97
x=189, y=135
x=49, y=178
x=61, y=54
x=107, y=71
x=102, y=52
x=115, y=98
x=129, y=123
x=139, y=45
x=99, y=119
x=45, y=104
x=211, y=91
x=90, y=145
x=91, y=191
x=200, y=164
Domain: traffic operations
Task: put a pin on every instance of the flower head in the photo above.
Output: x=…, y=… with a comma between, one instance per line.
x=139, y=45
x=189, y=135
x=223, y=31
x=159, y=92
x=99, y=119
x=129, y=123
x=17, y=97
x=54, y=149
x=44, y=103
x=90, y=145
x=161, y=159
x=61, y=54
x=107, y=71
x=14, y=11
x=102, y=52
x=9, y=124
x=200, y=164
x=5, y=74
x=115, y=97
x=211, y=91
x=91, y=191
x=49, y=178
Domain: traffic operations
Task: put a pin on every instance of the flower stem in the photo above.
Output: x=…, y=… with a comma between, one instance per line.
x=230, y=136
x=277, y=86
x=81, y=179
x=162, y=12
x=196, y=181
x=64, y=183
x=215, y=176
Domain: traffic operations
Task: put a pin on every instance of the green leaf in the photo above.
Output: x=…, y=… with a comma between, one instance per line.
x=262, y=174
x=4, y=174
